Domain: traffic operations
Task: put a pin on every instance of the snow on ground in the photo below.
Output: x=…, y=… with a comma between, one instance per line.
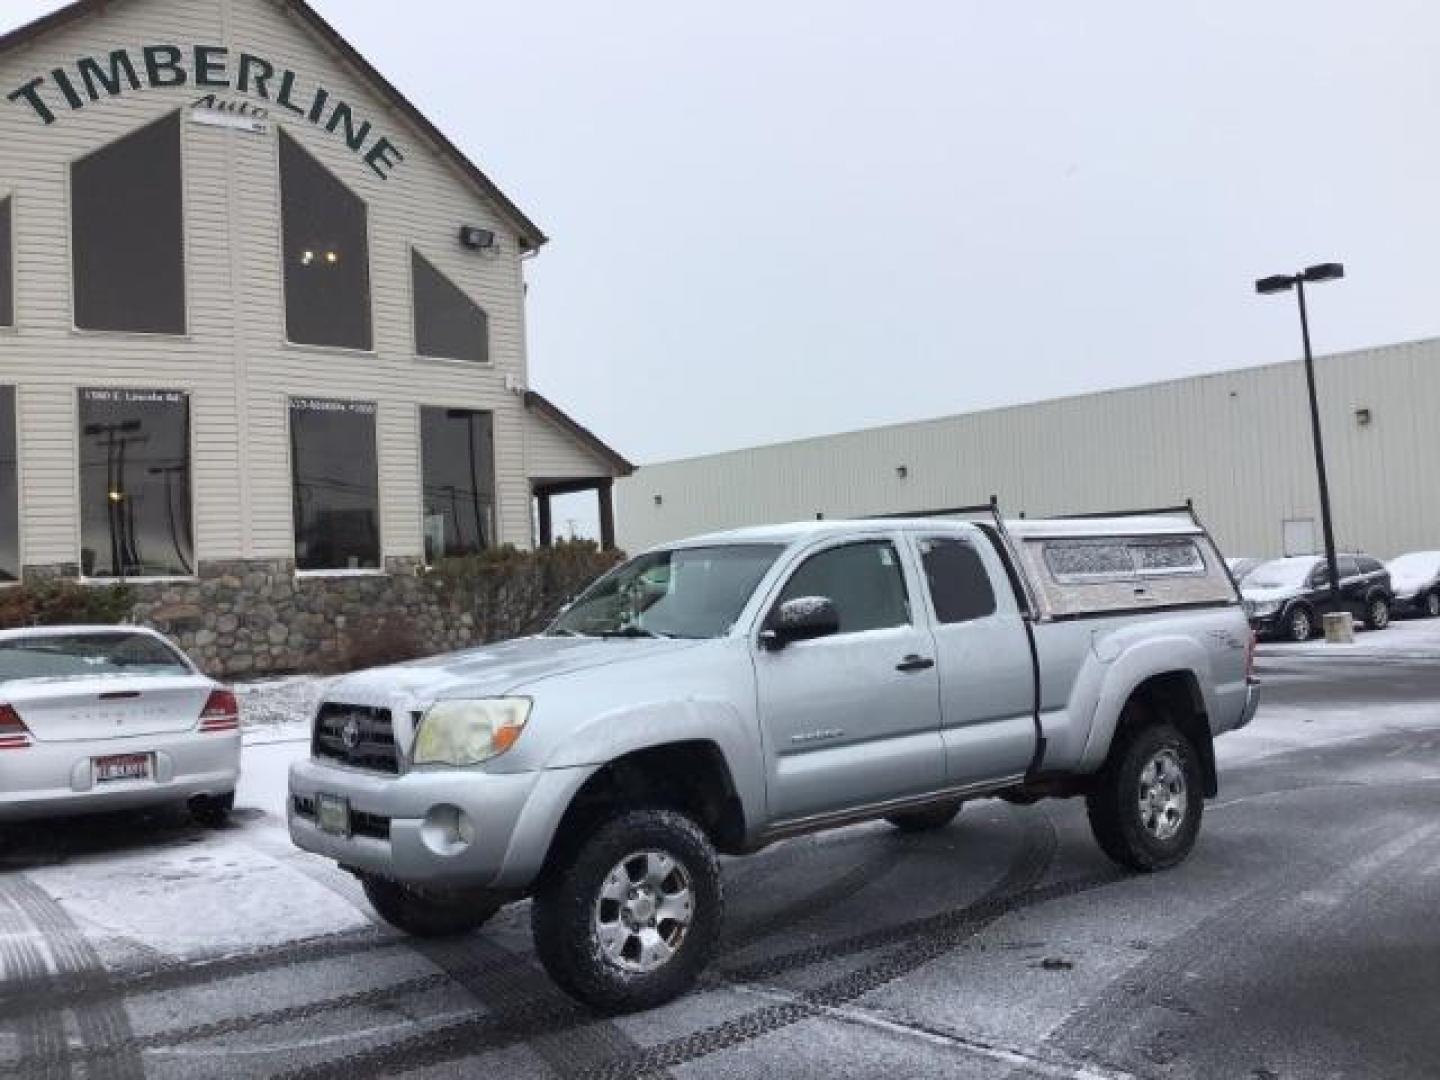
x=280, y=708
x=1403, y=639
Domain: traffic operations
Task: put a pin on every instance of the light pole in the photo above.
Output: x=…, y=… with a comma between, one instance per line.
x=1283, y=283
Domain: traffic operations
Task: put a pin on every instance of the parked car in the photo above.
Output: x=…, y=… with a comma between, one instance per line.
x=1287, y=597
x=730, y=691
x=1416, y=580
x=1240, y=566
x=111, y=718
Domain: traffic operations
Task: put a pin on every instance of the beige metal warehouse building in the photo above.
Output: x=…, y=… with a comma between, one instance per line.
x=240, y=325
x=1237, y=442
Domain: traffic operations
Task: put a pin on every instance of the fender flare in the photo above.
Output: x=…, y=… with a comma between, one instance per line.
x=1138, y=664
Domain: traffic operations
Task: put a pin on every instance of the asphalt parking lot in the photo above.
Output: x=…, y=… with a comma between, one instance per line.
x=1299, y=940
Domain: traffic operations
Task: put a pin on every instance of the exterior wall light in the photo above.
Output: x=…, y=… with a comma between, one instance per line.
x=902, y=471
x=1362, y=417
x=659, y=500
x=476, y=238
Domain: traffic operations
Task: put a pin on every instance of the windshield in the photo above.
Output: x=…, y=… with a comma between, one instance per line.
x=85, y=656
x=1418, y=564
x=1280, y=574
x=683, y=593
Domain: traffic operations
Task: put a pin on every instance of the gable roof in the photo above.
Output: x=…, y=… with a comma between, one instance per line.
x=531, y=237
x=542, y=406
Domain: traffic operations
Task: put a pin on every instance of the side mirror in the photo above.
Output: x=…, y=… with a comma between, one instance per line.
x=801, y=619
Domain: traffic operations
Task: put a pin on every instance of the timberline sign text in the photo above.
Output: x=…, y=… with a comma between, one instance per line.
x=206, y=67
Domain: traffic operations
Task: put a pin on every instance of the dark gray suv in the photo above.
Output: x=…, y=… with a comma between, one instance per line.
x=1287, y=597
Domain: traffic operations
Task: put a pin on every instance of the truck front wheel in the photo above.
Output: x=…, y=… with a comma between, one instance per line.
x=429, y=913
x=631, y=918
x=1147, y=802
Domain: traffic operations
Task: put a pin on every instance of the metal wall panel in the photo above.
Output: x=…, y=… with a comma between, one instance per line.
x=1237, y=442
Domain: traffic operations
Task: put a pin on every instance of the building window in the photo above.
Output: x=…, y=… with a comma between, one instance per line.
x=7, y=270
x=458, y=451
x=135, y=518
x=9, y=489
x=327, y=255
x=127, y=239
x=448, y=324
x=337, y=488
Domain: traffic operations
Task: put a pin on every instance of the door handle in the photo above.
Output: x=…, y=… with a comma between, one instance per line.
x=915, y=662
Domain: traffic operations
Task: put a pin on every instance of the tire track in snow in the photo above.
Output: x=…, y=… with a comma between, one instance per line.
x=937, y=935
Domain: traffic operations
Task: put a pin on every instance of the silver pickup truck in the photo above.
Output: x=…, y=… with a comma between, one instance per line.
x=726, y=692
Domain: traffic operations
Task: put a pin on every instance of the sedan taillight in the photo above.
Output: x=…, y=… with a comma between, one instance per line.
x=221, y=713
x=14, y=735
x=1250, y=658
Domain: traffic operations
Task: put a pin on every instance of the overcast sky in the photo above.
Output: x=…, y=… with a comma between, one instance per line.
x=772, y=220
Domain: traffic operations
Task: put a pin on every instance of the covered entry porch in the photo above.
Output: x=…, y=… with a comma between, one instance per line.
x=565, y=458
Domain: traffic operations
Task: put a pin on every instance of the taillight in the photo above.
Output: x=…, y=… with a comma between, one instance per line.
x=1250, y=658
x=221, y=712
x=14, y=735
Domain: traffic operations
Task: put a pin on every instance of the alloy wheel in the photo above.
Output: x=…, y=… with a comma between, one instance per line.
x=644, y=910
x=1163, y=797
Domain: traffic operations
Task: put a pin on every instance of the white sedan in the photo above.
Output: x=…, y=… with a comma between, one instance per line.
x=111, y=718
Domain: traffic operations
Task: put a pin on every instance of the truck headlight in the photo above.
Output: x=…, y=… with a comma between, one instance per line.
x=469, y=732
x=1264, y=607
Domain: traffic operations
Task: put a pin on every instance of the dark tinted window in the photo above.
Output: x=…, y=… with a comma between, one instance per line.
x=7, y=272
x=9, y=490
x=327, y=254
x=337, y=496
x=1348, y=566
x=864, y=581
x=459, y=481
x=87, y=656
x=135, y=483
x=959, y=583
x=448, y=324
x=127, y=238
x=1370, y=566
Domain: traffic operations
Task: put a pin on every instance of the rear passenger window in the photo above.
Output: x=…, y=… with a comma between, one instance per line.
x=959, y=584
x=864, y=581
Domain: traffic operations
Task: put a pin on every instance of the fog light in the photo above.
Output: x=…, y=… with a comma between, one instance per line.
x=447, y=830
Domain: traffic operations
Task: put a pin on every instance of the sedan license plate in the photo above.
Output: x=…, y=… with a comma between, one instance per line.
x=109, y=770
x=332, y=813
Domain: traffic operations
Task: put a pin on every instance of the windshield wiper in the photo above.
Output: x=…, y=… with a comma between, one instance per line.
x=632, y=632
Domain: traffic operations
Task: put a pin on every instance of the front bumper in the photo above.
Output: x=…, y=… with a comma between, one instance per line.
x=409, y=828
x=57, y=779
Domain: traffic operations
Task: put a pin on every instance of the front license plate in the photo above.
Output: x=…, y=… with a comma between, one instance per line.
x=108, y=770
x=332, y=813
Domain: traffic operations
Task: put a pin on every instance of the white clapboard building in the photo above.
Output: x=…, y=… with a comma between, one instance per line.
x=255, y=309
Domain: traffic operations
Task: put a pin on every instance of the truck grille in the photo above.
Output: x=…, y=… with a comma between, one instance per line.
x=356, y=735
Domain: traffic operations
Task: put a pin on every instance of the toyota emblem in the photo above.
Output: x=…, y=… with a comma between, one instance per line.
x=350, y=733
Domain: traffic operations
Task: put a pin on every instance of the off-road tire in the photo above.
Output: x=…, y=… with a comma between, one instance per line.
x=212, y=811
x=1377, y=614
x=928, y=818
x=1300, y=625
x=563, y=914
x=429, y=914
x=1114, y=802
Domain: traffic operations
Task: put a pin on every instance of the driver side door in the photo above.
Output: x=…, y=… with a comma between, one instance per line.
x=852, y=719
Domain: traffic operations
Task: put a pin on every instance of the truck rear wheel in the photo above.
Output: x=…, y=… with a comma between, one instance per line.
x=927, y=819
x=429, y=914
x=1147, y=802
x=630, y=919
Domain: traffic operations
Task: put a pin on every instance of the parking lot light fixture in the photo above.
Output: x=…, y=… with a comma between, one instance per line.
x=1330, y=271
